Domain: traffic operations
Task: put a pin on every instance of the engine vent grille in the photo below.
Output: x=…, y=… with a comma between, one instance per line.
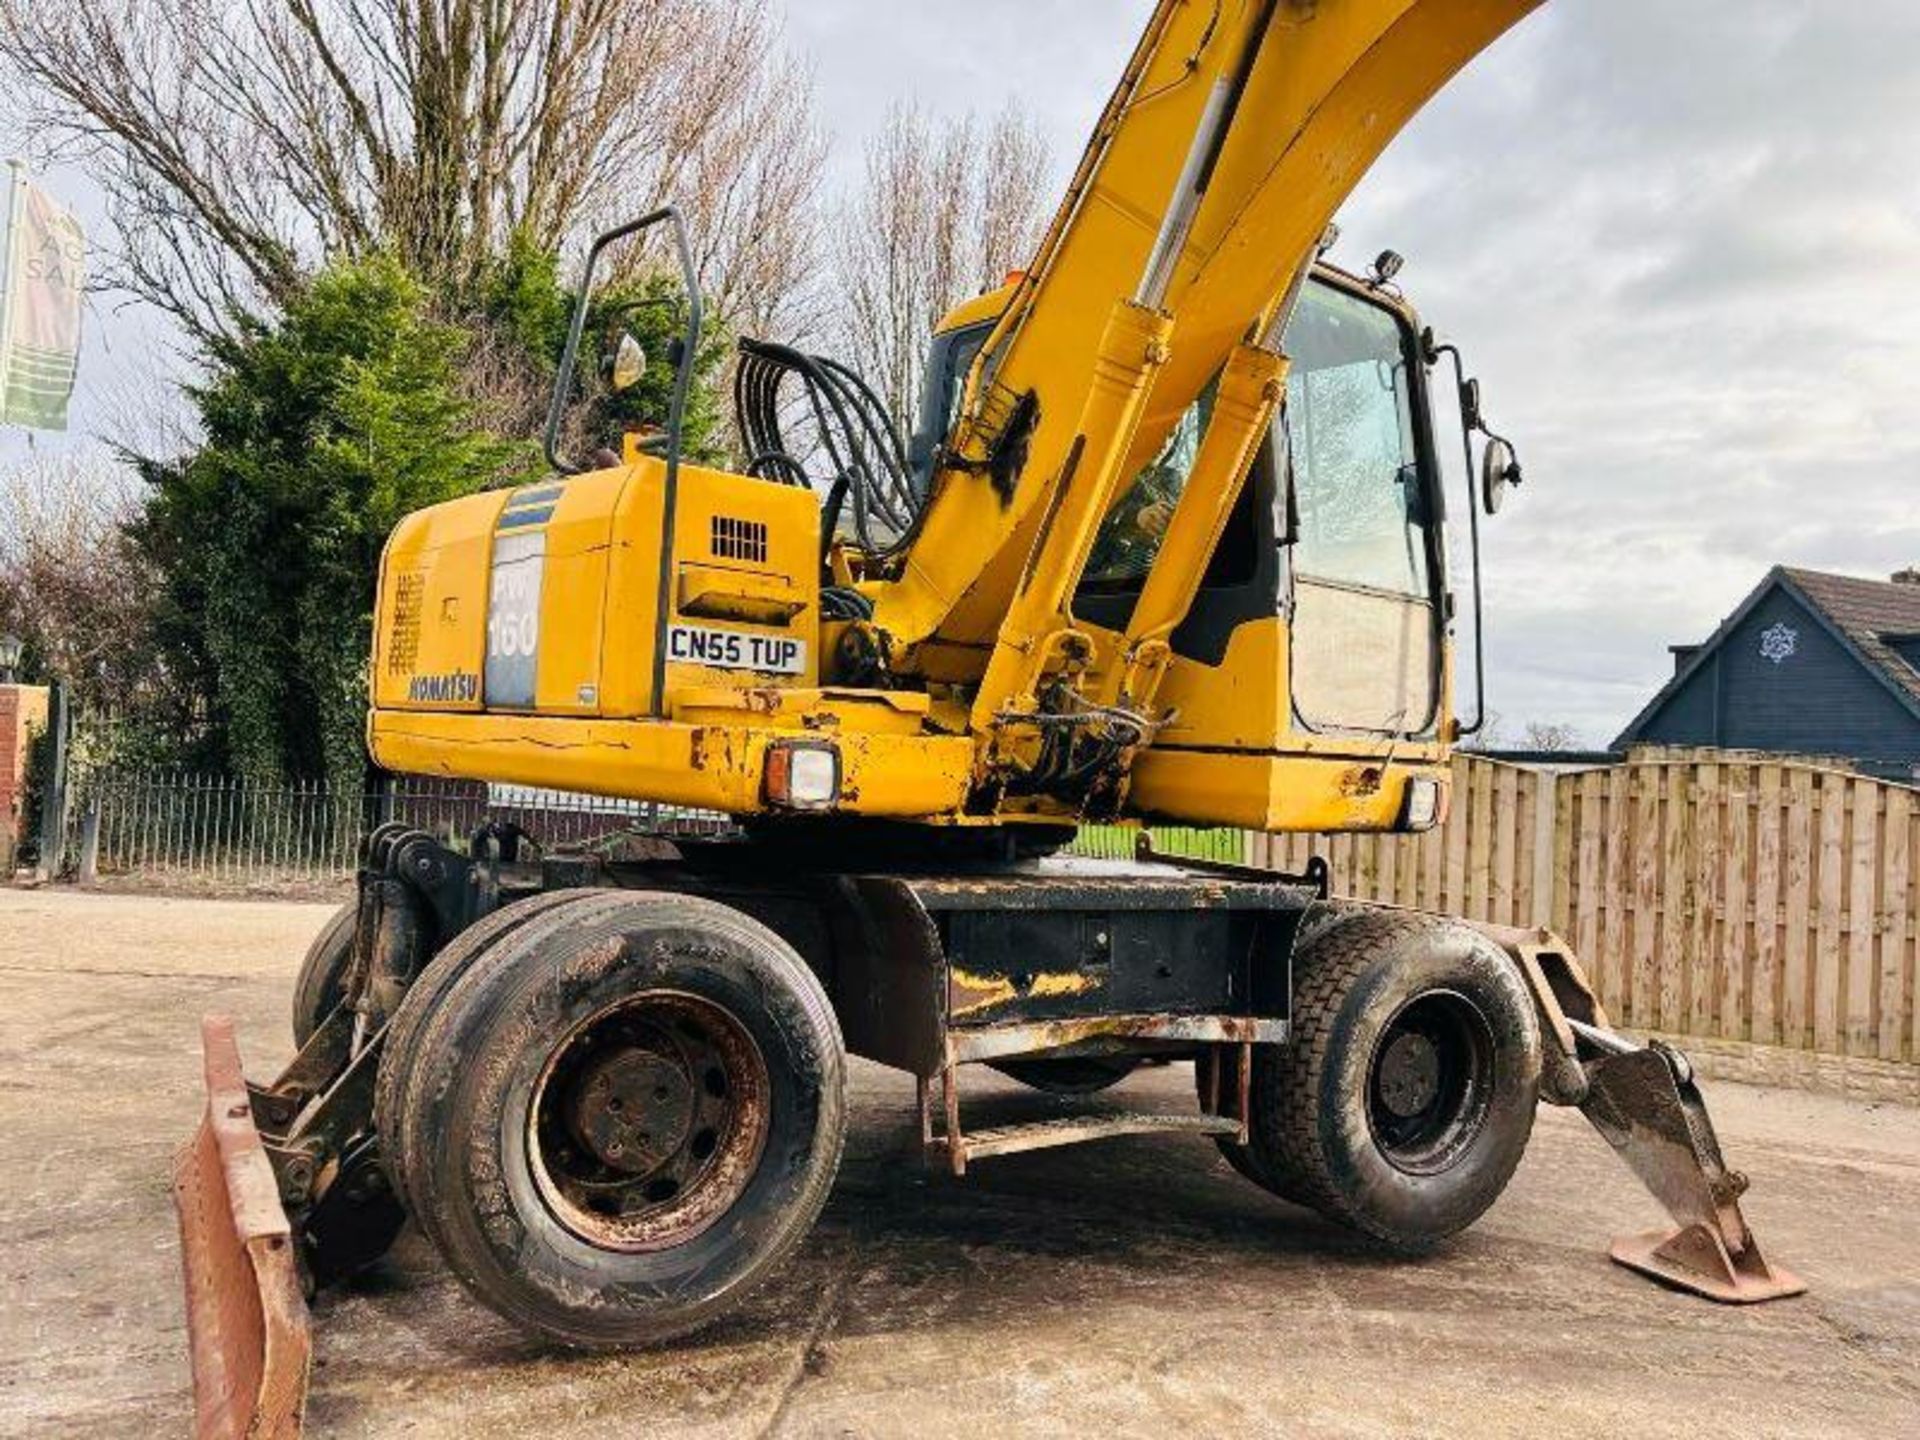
x=735, y=539
x=403, y=646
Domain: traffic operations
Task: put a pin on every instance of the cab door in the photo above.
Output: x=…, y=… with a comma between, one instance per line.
x=1366, y=609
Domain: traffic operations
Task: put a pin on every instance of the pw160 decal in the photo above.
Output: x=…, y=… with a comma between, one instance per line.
x=513, y=618
x=737, y=650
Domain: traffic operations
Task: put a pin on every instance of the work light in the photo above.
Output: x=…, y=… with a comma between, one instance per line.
x=803, y=775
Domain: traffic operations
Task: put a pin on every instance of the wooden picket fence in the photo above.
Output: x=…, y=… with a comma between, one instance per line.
x=1729, y=897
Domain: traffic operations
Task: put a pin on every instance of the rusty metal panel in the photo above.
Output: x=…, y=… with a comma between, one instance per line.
x=1094, y=1034
x=1075, y=939
x=1023, y=965
x=1079, y=1129
x=1057, y=954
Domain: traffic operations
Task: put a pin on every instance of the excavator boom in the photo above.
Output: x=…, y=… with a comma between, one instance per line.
x=1237, y=130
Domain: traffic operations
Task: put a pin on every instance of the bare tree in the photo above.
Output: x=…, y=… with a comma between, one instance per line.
x=1547, y=737
x=240, y=141
x=943, y=212
x=71, y=584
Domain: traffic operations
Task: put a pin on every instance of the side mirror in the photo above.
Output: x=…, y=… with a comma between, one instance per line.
x=626, y=364
x=1499, y=473
x=566, y=377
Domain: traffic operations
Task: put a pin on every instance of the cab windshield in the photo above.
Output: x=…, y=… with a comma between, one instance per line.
x=1350, y=428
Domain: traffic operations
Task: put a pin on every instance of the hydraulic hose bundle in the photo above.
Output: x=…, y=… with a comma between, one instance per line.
x=836, y=422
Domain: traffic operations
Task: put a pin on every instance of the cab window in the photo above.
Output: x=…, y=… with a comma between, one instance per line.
x=1364, y=654
x=949, y=359
x=1356, y=466
x=1131, y=535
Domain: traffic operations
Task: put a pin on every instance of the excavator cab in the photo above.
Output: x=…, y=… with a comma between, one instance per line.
x=1323, y=614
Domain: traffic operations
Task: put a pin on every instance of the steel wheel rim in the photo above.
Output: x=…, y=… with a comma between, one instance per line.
x=648, y=1121
x=1430, y=1082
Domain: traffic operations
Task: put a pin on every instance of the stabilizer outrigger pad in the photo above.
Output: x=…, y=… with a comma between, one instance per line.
x=1643, y=1099
x=1646, y=1105
x=247, y=1321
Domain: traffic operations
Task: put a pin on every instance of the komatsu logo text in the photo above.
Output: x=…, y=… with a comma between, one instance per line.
x=458, y=687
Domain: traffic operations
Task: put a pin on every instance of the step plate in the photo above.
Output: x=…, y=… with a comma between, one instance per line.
x=1078, y=1129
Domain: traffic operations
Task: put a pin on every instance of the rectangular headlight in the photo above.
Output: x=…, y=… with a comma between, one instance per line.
x=1425, y=805
x=803, y=775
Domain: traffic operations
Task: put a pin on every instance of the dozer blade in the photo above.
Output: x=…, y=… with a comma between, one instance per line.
x=246, y=1317
x=1643, y=1099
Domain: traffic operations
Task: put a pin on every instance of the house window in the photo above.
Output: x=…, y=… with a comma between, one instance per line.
x=1907, y=647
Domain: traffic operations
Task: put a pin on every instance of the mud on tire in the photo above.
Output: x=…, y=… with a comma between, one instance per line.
x=417, y=1007
x=622, y=1115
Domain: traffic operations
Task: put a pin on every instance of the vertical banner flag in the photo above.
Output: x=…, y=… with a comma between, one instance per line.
x=42, y=268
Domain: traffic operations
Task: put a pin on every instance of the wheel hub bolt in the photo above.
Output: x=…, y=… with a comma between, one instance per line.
x=633, y=1110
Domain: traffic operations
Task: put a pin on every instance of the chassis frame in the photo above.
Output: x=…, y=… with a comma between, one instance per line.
x=929, y=969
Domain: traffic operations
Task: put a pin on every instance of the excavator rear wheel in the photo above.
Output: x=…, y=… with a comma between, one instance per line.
x=1405, y=1097
x=323, y=974
x=623, y=1115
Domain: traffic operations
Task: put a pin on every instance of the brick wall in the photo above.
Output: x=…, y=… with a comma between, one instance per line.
x=23, y=714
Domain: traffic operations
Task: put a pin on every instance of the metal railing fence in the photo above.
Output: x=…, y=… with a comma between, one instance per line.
x=226, y=832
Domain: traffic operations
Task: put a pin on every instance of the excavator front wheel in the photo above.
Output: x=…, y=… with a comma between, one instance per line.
x=1404, y=1099
x=623, y=1115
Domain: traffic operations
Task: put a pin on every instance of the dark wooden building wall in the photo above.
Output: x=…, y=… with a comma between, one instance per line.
x=1820, y=699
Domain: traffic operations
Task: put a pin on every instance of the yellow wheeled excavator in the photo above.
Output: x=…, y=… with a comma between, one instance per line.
x=1167, y=541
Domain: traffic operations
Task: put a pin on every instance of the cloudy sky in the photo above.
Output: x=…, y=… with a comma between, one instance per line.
x=1679, y=242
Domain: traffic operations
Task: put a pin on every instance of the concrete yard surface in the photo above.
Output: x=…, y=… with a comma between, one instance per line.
x=1134, y=1287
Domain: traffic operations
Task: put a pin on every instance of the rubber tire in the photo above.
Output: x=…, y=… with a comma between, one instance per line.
x=486, y=1041
x=1310, y=1126
x=420, y=1001
x=323, y=973
x=1252, y=1161
x=1071, y=1075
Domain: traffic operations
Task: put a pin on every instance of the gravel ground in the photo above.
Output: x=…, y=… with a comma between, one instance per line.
x=1136, y=1287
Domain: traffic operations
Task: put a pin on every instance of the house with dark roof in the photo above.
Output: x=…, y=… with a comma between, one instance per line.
x=1809, y=664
